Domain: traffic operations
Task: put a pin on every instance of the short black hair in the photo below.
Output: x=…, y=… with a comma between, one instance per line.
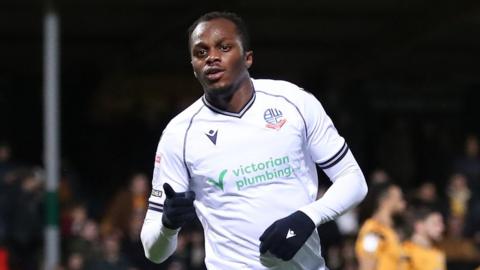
x=421, y=212
x=234, y=18
x=371, y=203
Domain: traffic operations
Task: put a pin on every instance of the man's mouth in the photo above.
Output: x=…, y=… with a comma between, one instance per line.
x=214, y=74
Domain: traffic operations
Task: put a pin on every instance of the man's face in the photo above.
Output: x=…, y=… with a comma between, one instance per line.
x=218, y=59
x=434, y=226
x=395, y=200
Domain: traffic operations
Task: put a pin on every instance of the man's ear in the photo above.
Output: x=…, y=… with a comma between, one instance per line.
x=248, y=59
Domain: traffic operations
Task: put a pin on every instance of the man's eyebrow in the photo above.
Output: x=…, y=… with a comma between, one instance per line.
x=199, y=44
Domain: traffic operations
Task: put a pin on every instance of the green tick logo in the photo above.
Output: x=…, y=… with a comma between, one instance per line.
x=219, y=183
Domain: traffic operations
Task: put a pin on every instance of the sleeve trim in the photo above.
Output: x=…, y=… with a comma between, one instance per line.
x=155, y=206
x=335, y=159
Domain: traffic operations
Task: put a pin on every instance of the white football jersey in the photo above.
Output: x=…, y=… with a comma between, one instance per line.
x=249, y=169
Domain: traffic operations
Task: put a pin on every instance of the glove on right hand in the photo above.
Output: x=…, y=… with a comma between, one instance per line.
x=178, y=207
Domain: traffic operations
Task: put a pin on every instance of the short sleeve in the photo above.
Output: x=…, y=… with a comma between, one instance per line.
x=170, y=168
x=327, y=148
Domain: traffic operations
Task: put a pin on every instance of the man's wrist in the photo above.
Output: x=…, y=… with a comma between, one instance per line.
x=312, y=211
x=167, y=231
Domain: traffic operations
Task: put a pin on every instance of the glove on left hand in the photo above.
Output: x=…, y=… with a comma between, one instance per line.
x=286, y=236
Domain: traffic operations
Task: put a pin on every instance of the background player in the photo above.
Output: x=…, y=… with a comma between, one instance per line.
x=420, y=248
x=378, y=245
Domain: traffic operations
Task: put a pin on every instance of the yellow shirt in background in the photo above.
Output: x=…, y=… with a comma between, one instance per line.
x=422, y=258
x=381, y=242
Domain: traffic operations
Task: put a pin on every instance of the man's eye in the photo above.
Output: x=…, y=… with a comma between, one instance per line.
x=225, y=48
x=201, y=53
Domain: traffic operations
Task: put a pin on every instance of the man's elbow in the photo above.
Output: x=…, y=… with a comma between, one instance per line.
x=363, y=189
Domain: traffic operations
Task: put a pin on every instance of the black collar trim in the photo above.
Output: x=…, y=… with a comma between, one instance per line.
x=227, y=113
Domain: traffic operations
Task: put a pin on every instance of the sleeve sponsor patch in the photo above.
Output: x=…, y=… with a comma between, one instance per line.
x=371, y=242
x=158, y=159
x=157, y=193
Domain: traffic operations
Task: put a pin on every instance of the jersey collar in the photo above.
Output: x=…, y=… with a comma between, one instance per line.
x=238, y=115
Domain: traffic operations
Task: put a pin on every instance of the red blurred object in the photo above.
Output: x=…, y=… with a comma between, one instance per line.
x=3, y=259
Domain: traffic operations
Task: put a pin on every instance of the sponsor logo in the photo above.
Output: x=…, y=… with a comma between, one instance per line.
x=274, y=118
x=157, y=193
x=212, y=135
x=218, y=183
x=256, y=173
x=290, y=234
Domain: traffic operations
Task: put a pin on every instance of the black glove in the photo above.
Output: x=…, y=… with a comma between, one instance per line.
x=286, y=236
x=177, y=208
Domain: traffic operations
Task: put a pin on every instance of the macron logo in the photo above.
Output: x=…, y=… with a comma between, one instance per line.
x=290, y=234
x=212, y=135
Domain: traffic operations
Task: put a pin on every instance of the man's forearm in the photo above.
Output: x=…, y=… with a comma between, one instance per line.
x=348, y=189
x=159, y=242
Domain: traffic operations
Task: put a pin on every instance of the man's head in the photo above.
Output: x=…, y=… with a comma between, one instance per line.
x=220, y=52
x=428, y=223
x=385, y=197
x=392, y=199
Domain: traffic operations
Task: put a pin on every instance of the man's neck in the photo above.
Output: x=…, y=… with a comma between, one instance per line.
x=421, y=240
x=384, y=217
x=236, y=101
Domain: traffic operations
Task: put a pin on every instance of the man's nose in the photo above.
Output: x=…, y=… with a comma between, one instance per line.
x=213, y=56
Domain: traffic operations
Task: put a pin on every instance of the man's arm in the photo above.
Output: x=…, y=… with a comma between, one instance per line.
x=331, y=153
x=167, y=209
x=348, y=189
x=160, y=238
x=159, y=242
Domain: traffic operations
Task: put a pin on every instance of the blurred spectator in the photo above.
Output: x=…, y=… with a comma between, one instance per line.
x=125, y=204
x=379, y=176
x=426, y=194
x=469, y=164
x=73, y=220
x=378, y=245
x=75, y=261
x=420, y=249
x=111, y=258
x=86, y=242
x=458, y=195
x=464, y=189
x=26, y=227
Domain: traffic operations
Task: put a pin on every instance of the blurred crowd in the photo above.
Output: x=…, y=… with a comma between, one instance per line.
x=111, y=239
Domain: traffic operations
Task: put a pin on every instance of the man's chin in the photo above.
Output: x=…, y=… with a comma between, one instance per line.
x=218, y=89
